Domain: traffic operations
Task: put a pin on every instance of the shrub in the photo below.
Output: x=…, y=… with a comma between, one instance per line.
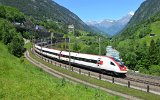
x=16, y=47
x=154, y=69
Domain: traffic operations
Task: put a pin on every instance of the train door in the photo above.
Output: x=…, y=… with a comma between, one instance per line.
x=99, y=62
x=74, y=58
x=60, y=55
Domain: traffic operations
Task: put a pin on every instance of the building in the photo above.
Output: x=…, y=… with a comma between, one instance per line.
x=71, y=28
x=152, y=34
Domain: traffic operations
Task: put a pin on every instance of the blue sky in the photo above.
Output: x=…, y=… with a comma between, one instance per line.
x=100, y=9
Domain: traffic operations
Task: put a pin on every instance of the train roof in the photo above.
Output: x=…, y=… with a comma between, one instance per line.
x=76, y=53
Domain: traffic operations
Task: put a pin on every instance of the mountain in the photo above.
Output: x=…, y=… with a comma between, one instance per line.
x=47, y=10
x=111, y=27
x=139, y=42
x=145, y=21
x=147, y=9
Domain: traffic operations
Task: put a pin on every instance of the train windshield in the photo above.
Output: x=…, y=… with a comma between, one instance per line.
x=119, y=62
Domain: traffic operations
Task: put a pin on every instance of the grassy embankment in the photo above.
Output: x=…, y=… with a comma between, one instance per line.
x=114, y=87
x=155, y=27
x=20, y=80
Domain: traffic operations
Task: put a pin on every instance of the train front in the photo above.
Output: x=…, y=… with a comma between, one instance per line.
x=121, y=68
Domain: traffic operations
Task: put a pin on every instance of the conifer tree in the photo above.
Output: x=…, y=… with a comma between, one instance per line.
x=158, y=50
x=153, y=53
x=2, y=12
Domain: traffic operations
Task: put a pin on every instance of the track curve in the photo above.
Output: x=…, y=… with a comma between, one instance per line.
x=72, y=79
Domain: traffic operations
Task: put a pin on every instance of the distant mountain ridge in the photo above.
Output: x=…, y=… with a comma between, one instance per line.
x=48, y=10
x=111, y=27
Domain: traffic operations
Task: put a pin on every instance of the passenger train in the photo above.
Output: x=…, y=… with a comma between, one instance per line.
x=102, y=63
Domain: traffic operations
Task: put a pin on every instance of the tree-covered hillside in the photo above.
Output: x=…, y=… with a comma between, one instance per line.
x=8, y=33
x=81, y=41
x=147, y=13
x=139, y=42
x=147, y=9
x=47, y=10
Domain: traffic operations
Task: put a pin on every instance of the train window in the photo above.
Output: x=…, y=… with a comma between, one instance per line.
x=83, y=59
x=92, y=61
x=95, y=61
x=89, y=60
x=72, y=57
x=80, y=59
x=86, y=60
x=112, y=63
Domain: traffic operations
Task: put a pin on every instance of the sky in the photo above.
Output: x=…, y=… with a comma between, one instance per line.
x=96, y=10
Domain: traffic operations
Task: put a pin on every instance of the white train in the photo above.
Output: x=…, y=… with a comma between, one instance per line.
x=102, y=63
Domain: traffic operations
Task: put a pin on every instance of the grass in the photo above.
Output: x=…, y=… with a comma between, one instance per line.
x=118, y=88
x=156, y=30
x=20, y=80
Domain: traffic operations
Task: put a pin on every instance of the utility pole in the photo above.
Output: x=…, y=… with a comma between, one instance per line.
x=65, y=43
x=70, y=28
x=41, y=45
x=32, y=39
x=51, y=39
x=99, y=46
x=69, y=54
x=34, y=36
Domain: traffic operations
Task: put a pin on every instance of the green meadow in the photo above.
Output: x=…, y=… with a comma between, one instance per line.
x=20, y=80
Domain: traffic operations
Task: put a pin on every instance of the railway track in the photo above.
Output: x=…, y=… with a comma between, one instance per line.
x=137, y=82
x=143, y=81
x=147, y=79
x=141, y=78
x=74, y=80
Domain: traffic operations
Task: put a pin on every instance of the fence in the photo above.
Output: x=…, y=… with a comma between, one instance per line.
x=114, y=80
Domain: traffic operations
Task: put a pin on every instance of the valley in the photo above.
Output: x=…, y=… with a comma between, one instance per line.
x=135, y=36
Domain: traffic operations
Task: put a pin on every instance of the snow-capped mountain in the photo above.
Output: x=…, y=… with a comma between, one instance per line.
x=111, y=27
